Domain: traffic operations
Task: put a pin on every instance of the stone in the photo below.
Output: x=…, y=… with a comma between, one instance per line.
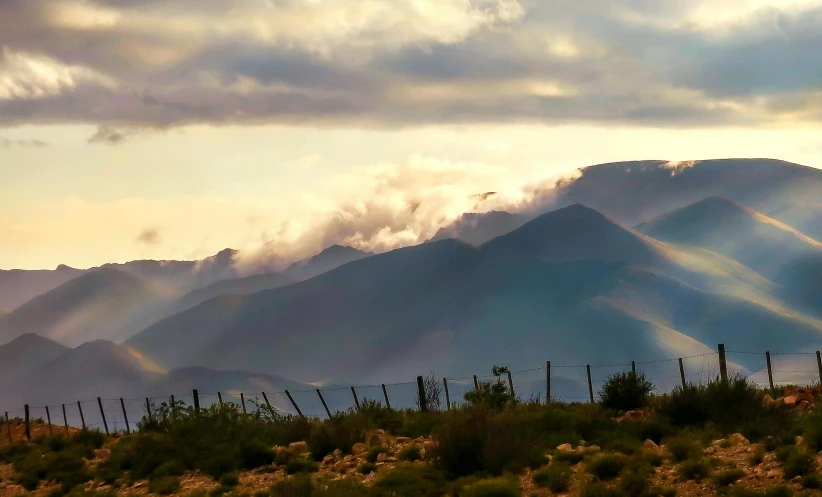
x=382, y=457
x=422, y=453
x=349, y=458
x=768, y=401
x=799, y=440
x=804, y=396
x=593, y=448
x=359, y=448
x=738, y=439
x=803, y=404
x=428, y=445
x=298, y=447
x=391, y=459
x=102, y=454
x=565, y=448
x=789, y=400
x=379, y=463
x=403, y=440
x=419, y=440
x=380, y=432
x=341, y=466
x=337, y=453
x=329, y=460
x=650, y=444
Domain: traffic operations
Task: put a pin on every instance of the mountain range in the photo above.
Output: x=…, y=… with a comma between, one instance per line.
x=629, y=261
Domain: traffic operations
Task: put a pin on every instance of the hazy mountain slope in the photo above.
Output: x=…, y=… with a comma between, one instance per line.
x=717, y=224
x=18, y=286
x=805, y=217
x=330, y=258
x=100, y=303
x=635, y=192
x=478, y=228
x=237, y=286
x=27, y=353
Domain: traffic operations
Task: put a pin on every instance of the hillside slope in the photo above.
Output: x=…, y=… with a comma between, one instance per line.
x=478, y=228
x=27, y=353
x=330, y=258
x=805, y=217
x=18, y=286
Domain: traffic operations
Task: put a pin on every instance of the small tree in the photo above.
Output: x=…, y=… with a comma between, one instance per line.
x=432, y=390
x=626, y=391
x=494, y=394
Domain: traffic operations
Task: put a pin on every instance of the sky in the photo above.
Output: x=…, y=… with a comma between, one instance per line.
x=171, y=129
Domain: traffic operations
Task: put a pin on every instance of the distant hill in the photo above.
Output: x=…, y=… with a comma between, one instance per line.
x=237, y=286
x=478, y=228
x=723, y=226
x=26, y=353
x=639, y=191
x=805, y=217
x=100, y=303
x=330, y=258
x=18, y=286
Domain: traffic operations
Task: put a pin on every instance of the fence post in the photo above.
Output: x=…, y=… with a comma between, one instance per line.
x=511, y=385
x=242, y=400
x=220, y=398
x=476, y=384
x=770, y=372
x=447, y=395
x=356, y=400
x=723, y=366
x=102, y=414
x=819, y=365
x=125, y=415
x=548, y=382
x=196, y=395
x=65, y=419
x=28, y=428
x=148, y=409
x=590, y=384
x=325, y=406
x=265, y=397
x=82, y=418
x=385, y=394
x=173, y=409
x=48, y=417
x=682, y=373
x=294, y=404
x=633, y=367
x=421, y=392
x=8, y=426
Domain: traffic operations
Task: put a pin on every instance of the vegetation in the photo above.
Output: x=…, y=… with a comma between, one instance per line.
x=626, y=391
x=556, y=477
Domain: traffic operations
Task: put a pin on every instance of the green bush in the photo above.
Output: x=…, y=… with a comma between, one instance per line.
x=636, y=479
x=411, y=452
x=254, y=454
x=294, y=486
x=375, y=452
x=606, y=466
x=229, y=480
x=784, y=453
x=498, y=487
x=728, y=477
x=799, y=463
x=626, y=391
x=301, y=465
x=411, y=480
x=694, y=469
x=165, y=485
x=340, y=432
x=571, y=457
x=780, y=491
x=682, y=448
x=756, y=458
x=599, y=489
x=169, y=468
x=812, y=481
x=367, y=468
x=495, y=395
x=556, y=477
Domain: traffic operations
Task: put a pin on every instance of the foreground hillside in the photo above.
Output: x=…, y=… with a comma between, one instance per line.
x=723, y=438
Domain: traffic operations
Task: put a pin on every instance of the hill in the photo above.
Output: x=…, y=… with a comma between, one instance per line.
x=18, y=286
x=454, y=308
x=478, y=228
x=723, y=226
x=27, y=353
x=101, y=303
x=638, y=191
x=330, y=258
x=236, y=286
x=805, y=217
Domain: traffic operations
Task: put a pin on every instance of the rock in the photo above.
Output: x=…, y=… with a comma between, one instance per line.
x=329, y=460
x=428, y=445
x=391, y=459
x=565, y=448
x=717, y=443
x=341, y=466
x=403, y=440
x=379, y=463
x=768, y=401
x=799, y=440
x=650, y=444
x=803, y=404
x=422, y=453
x=582, y=443
x=419, y=440
x=380, y=432
x=337, y=453
x=789, y=400
x=382, y=457
x=593, y=448
x=359, y=448
x=710, y=451
x=802, y=395
x=298, y=447
x=349, y=458
x=102, y=454
x=738, y=439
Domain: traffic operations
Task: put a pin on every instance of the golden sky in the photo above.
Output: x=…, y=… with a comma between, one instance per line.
x=175, y=128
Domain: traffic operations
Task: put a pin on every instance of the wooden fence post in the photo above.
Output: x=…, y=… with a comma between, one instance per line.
x=356, y=400
x=82, y=418
x=770, y=372
x=590, y=384
x=819, y=365
x=421, y=393
x=511, y=385
x=125, y=415
x=294, y=404
x=633, y=367
x=196, y=395
x=148, y=409
x=28, y=427
x=723, y=366
x=325, y=406
x=476, y=384
x=447, y=395
x=548, y=382
x=173, y=409
x=102, y=414
x=385, y=394
x=8, y=427
x=220, y=398
x=65, y=418
x=682, y=373
x=242, y=400
x=48, y=417
x=265, y=397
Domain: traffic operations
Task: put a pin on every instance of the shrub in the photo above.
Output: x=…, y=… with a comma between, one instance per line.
x=169, y=468
x=599, y=489
x=229, y=480
x=411, y=452
x=756, y=458
x=254, y=453
x=432, y=391
x=694, y=469
x=812, y=481
x=780, y=491
x=411, y=480
x=374, y=453
x=728, y=477
x=295, y=486
x=498, y=487
x=495, y=395
x=784, y=453
x=682, y=448
x=301, y=465
x=626, y=391
x=338, y=488
x=164, y=486
x=636, y=480
x=367, y=468
x=606, y=466
x=571, y=457
x=799, y=463
x=556, y=477
x=340, y=432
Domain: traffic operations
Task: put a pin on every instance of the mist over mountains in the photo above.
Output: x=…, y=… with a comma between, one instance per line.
x=630, y=261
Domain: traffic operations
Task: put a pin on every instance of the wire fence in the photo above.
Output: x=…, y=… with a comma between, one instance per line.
x=555, y=382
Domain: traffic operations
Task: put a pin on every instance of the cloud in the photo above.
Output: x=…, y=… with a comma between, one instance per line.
x=106, y=134
x=410, y=62
x=8, y=142
x=149, y=236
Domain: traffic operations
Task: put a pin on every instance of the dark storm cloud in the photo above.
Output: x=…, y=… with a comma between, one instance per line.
x=149, y=63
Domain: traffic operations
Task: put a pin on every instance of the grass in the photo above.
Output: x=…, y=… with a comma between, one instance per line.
x=165, y=485
x=556, y=477
x=606, y=466
x=375, y=452
x=694, y=469
x=799, y=463
x=498, y=487
x=367, y=468
x=411, y=452
x=728, y=477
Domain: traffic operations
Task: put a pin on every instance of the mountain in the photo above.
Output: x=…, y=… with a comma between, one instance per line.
x=639, y=191
x=567, y=278
x=330, y=258
x=478, y=228
x=18, y=286
x=723, y=226
x=805, y=217
x=26, y=353
x=100, y=303
x=237, y=286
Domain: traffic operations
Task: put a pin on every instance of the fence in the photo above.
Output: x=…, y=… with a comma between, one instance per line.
x=551, y=382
